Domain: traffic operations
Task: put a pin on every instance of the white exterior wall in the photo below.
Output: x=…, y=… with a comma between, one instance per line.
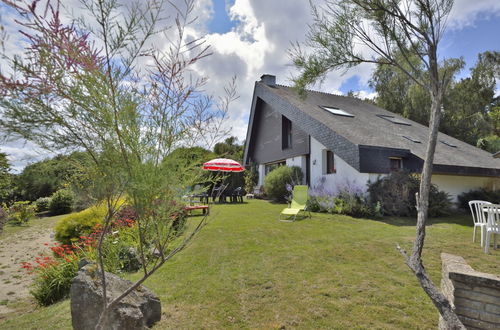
x=345, y=174
x=300, y=161
x=262, y=174
x=457, y=184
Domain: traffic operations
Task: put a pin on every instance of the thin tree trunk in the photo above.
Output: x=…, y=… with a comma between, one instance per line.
x=415, y=260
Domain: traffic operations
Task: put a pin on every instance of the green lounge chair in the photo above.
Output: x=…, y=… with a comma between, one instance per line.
x=299, y=201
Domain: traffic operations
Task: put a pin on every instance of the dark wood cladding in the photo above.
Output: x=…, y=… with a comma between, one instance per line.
x=377, y=159
x=266, y=138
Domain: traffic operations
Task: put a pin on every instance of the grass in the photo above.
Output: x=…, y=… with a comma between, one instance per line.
x=247, y=270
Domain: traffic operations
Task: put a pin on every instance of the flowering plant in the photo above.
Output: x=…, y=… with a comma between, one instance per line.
x=53, y=273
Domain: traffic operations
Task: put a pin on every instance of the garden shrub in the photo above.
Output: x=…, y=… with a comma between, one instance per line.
x=126, y=212
x=42, y=204
x=61, y=202
x=275, y=183
x=3, y=218
x=120, y=247
x=21, y=212
x=71, y=227
x=396, y=195
x=347, y=198
x=53, y=274
x=479, y=194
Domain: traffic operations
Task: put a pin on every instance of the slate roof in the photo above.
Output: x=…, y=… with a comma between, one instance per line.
x=367, y=128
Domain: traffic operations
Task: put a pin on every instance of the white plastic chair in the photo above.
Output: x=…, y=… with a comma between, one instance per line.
x=492, y=225
x=479, y=218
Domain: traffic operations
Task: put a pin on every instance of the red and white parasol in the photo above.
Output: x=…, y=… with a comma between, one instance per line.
x=223, y=165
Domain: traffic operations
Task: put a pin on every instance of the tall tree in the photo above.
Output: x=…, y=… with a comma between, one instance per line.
x=465, y=104
x=84, y=86
x=43, y=178
x=229, y=148
x=5, y=178
x=394, y=31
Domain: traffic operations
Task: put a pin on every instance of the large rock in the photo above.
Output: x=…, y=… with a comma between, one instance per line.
x=140, y=309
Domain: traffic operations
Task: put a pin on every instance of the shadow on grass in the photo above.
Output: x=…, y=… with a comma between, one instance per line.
x=456, y=218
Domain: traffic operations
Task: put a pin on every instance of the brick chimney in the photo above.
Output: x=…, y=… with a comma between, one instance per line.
x=268, y=79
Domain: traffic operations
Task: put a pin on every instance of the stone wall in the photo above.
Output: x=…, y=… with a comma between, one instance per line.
x=474, y=295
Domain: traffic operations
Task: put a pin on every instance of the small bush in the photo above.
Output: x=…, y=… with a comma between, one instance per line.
x=396, y=195
x=71, y=227
x=120, y=247
x=3, y=218
x=61, y=202
x=126, y=212
x=42, y=204
x=21, y=212
x=348, y=198
x=480, y=194
x=53, y=274
x=276, y=181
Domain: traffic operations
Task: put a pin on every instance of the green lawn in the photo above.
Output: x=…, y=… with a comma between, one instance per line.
x=247, y=270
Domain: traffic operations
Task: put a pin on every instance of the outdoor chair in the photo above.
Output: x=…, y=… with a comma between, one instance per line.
x=493, y=224
x=219, y=192
x=237, y=195
x=478, y=217
x=298, y=204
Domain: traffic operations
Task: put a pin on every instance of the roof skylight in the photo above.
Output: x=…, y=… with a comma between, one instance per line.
x=411, y=139
x=394, y=120
x=448, y=144
x=336, y=111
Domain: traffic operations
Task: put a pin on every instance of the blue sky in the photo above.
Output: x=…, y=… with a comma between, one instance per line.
x=472, y=32
x=249, y=38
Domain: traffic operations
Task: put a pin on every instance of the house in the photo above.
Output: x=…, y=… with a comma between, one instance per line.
x=339, y=139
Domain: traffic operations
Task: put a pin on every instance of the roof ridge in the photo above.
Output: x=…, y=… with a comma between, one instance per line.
x=319, y=92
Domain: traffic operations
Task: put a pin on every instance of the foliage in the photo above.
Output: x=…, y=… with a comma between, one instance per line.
x=21, y=212
x=43, y=178
x=4, y=217
x=348, y=198
x=69, y=229
x=229, y=149
x=465, y=104
x=53, y=274
x=61, y=202
x=396, y=195
x=492, y=196
x=490, y=143
x=120, y=246
x=42, y=204
x=86, y=86
x=251, y=178
x=276, y=181
x=6, y=179
x=126, y=212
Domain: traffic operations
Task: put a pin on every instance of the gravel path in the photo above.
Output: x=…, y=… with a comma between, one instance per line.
x=22, y=246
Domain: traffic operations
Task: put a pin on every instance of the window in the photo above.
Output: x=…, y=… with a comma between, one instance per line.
x=449, y=144
x=271, y=166
x=394, y=120
x=395, y=163
x=336, y=111
x=286, y=133
x=411, y=139
x=330, y=162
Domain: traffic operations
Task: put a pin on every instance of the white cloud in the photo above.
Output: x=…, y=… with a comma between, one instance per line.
x=21, y=153
x=466, y=12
